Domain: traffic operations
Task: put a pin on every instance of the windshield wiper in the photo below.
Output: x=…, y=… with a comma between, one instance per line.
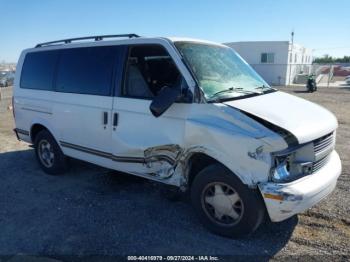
x=229, y=90
x=264, y=87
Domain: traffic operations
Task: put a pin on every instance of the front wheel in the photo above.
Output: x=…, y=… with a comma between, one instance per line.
x=224, y=204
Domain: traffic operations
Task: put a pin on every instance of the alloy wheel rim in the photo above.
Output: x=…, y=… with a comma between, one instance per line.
x=46, y=153
x=222, y=204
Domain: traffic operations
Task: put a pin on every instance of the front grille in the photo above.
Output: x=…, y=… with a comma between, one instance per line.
x=317, y=165
x=323, y=146
x=323, y=143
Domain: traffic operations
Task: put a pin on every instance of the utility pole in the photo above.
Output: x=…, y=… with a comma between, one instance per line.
x=291, y=57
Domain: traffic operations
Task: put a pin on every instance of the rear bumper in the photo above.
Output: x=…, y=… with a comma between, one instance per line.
x=285, y=200
x=21, y=134
x=16, y=133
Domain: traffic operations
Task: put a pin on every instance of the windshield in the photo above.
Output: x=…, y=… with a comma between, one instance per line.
x=220, y=70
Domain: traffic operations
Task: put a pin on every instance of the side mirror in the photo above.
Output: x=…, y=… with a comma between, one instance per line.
x=165, y=98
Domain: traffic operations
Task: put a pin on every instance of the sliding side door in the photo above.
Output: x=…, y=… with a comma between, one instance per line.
x=84, y=85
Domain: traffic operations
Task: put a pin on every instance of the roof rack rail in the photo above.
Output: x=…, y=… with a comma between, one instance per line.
x=96, y=38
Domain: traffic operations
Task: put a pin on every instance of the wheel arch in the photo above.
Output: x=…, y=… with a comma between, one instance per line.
x=38, y=125
x=197, y=161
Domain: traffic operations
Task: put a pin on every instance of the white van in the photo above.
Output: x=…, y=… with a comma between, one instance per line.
x=188, y=113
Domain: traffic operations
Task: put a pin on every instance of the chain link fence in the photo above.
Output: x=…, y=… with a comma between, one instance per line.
x=326, y=75
x=332, y=74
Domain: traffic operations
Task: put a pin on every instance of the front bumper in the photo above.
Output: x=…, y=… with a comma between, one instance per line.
x=285, y=200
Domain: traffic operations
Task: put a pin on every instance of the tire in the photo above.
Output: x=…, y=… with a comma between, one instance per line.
x=248, y=211
x=49, y=155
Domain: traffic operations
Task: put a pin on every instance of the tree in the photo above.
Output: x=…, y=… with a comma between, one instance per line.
x=327, y=59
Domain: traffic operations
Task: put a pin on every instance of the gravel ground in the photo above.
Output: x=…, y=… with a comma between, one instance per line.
x=95, y=211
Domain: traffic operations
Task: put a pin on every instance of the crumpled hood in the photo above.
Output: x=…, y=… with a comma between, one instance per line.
x=305, y=120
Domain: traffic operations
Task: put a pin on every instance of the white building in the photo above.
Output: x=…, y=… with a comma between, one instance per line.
x=276, y=60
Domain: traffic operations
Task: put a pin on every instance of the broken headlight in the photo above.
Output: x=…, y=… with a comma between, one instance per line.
x=281, y=170
x=293, y=165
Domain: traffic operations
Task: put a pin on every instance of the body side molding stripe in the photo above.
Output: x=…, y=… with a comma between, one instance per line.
x=34, y=110
x=142, y=160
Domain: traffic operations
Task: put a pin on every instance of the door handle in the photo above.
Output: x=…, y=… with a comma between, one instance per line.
x=105, y=118
x=115, y=120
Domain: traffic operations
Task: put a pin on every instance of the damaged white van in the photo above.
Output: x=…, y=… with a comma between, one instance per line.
x=188, y=113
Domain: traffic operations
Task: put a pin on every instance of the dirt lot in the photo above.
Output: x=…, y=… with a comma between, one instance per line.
x=94, y=211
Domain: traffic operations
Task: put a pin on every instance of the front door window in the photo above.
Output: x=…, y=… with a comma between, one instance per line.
x=149, y=69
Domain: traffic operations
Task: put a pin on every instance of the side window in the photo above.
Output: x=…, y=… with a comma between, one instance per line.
x=148, y=69
x=86, y=70
x=38, y=70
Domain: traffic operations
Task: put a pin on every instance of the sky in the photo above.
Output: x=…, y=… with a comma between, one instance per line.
x=322, y=25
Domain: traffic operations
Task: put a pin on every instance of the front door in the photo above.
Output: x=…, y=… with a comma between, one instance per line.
x=143, y=144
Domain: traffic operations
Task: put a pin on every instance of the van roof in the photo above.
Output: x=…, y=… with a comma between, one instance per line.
x=95, y=38
x=116, y=38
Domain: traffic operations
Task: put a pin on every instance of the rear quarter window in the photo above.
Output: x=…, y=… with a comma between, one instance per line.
x=38, y=70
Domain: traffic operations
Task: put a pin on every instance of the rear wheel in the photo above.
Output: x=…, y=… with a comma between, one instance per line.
x=224, y=204
x=49, y=155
